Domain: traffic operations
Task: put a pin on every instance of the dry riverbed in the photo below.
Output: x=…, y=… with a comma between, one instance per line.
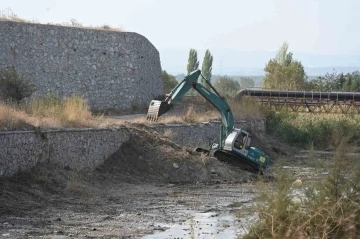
x=149, y=188
x=137, y=211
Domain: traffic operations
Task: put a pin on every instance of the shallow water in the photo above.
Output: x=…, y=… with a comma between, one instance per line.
x=218, y=217
x=203, y=226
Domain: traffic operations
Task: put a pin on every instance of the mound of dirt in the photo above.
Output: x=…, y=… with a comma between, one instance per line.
x=273, y=147
x=44, y=185
x=148, y=157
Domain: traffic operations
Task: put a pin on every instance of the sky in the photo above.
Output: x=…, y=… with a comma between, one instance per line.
x=233, y=29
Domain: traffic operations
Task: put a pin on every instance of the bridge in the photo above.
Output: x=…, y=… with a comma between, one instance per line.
x=305, y=101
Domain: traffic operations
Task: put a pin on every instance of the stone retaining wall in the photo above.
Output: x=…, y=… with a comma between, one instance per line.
x=112, y=70
x=86, y=148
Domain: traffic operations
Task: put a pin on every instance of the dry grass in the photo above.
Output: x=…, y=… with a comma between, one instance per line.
x=9, y=15
x=199, y=110
x=326, y=208
x=48, y=112
x=52, y=112
x=75, y=23
x=246, y=109
x=11, y=118
x=14, y=118
x=190, y=116
x=71, y=112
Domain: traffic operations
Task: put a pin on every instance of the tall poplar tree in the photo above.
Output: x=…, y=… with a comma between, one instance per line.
x=207, y=67
x=193, y=63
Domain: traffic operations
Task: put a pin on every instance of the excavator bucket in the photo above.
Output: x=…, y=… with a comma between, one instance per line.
x=156, y=109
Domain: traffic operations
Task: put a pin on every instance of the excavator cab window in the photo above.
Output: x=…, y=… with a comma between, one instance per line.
x=248, y=143
x=240, y=141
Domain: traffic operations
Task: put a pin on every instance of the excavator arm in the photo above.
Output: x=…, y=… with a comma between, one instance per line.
x=158, y=108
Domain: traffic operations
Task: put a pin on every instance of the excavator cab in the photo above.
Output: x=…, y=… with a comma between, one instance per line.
x=238, y=142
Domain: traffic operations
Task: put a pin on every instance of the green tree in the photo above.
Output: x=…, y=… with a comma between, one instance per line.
x=355, y=85
x=227, y=86
x=352, y=82
x=340, y=81
x=348, y=83
x=329, y=82
x=336, y=82
x=169, y=81
x=193, y=63
x=283, y=72
x=206, y=67
x=246, y=82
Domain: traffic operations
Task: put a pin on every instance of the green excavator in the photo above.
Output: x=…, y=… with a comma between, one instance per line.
x=234, y=146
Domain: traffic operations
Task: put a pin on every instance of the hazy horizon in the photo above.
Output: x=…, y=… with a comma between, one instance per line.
x=232, y=62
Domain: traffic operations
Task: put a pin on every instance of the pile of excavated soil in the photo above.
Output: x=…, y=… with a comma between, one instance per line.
x=273, y=147
x=148, y=157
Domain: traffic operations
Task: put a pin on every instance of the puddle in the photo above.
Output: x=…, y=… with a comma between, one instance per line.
x=203, y=226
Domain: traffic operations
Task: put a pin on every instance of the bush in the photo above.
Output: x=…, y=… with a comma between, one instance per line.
x=227, y=86
x=276, y=125
x=326, y=208
x=169, y=81
x=14, y=87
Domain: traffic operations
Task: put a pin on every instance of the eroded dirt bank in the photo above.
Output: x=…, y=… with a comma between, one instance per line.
x=149, y=185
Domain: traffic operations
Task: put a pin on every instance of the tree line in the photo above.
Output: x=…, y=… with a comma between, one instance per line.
x=169, y=81
x=282, y=72
x=224, y=84
x=285, y=73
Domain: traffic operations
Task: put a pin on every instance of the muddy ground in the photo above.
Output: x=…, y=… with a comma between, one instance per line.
x=149, y=188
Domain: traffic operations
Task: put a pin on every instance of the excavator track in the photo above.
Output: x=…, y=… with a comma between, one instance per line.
x=237, y=161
